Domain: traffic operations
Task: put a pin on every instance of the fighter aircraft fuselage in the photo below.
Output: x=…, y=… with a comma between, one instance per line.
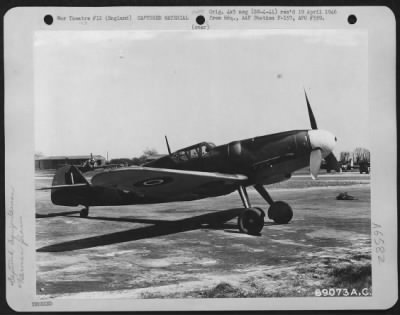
x=264, y=160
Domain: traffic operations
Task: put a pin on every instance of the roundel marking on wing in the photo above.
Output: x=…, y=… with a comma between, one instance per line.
x=154, y=182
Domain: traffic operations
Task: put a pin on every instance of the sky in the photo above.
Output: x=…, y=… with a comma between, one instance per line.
x=121, y=91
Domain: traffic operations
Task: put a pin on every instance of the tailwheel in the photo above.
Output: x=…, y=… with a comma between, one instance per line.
x=84, y=213
x=280, y=212
x=251, y=221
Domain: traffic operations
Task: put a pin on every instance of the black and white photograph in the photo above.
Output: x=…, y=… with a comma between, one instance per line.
x=192, y=163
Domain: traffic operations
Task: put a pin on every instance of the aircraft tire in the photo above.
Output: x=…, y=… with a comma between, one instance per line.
x=251, y=221
x=84, y=213
x=280, y=212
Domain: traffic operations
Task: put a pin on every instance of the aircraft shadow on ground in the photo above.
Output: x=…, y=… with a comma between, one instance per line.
x=216, y=219
x=57, y=214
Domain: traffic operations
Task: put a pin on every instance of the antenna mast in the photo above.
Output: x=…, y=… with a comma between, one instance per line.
x=169, y=149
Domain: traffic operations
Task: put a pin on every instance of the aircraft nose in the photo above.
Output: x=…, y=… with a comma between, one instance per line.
x=323, y=140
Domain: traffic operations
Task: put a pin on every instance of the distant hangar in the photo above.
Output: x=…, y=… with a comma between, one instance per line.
x=54, y=162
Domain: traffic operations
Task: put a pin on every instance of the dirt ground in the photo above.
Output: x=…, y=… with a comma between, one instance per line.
x=176, y=250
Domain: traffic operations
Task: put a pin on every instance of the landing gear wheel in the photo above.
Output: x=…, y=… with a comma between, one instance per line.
x=84, y=213
x=280, y=212
x=251, y=221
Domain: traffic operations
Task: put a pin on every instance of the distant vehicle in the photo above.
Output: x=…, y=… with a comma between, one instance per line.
x=346, y=166
x=362, y=166
x=206, y=170
x=329, y=167
x=365, y=167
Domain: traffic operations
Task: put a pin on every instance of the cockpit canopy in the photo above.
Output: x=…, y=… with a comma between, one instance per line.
x=193, y=152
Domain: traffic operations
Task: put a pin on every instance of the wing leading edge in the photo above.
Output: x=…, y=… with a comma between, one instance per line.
x=168, y=184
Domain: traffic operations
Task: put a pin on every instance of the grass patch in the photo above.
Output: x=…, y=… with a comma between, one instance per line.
x=222, y=290
x=302, y=280
x=361, y=257
x=305, y=183
x=357, y=276
x=296, y=288
x=346, y=275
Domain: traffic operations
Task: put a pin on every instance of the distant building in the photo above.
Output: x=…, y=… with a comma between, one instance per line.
x=154, y=157
x=54, y=162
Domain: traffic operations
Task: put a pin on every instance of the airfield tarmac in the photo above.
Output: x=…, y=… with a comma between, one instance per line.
x=178, y=250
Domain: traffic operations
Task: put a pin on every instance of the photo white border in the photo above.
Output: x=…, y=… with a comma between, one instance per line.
x=19, y=26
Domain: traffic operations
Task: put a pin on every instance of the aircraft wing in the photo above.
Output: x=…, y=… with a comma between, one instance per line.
x=168, y=184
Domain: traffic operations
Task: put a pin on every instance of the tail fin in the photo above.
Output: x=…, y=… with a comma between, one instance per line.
x=68, y=175
x=70, y=187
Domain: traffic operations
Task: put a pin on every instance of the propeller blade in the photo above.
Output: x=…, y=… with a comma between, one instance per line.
x=332, y=163
x=310, y=113
x=315, y=163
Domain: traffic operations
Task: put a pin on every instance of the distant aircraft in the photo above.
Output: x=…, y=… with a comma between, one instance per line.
x=206, y=170
x=91, y=165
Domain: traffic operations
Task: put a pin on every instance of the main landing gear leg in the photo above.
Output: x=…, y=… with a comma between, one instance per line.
x=280, y=212
x=250, y=220
x=84, y=212
x=244, y=196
